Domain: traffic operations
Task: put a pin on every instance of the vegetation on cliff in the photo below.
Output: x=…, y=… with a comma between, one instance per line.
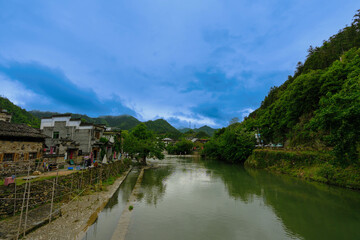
x=316, y=108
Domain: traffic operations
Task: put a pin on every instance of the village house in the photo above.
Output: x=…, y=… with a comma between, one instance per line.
x=19, y=143
x=4, y=115
x=112, y=136
x=167, y=141
x=70, y=137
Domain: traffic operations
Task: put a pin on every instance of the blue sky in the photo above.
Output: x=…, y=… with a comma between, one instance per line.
x=203, y=61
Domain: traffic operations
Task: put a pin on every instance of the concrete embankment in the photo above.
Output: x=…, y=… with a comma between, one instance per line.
x=309, y=165
x=123, y=224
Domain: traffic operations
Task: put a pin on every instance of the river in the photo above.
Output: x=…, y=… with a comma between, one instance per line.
x=188, y=198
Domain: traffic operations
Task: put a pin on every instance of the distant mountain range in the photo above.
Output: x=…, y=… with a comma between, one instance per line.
x=208, y=130
x=124, y=122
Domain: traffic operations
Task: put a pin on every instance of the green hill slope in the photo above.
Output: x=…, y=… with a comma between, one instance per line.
x=125, y=122
x=320, y=105
x=19, y=115
x=161, y=126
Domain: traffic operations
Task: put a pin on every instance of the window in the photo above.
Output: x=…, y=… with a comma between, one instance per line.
x=55, y=135
x=97, y=135
x=32, y=155
x=8, y=157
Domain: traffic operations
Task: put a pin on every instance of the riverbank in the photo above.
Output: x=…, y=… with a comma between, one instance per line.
x=308, y=165
x=78, y=216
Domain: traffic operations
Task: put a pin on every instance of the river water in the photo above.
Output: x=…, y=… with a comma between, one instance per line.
x=188, y=198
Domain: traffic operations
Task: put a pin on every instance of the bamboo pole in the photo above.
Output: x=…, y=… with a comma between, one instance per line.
x=15, y=192
x=27, y=208
x=52, y=197
x=23, y=203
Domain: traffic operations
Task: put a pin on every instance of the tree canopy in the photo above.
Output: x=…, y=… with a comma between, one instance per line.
x=143, y=143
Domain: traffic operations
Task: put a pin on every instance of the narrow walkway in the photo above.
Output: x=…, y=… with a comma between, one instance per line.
x=123, y=224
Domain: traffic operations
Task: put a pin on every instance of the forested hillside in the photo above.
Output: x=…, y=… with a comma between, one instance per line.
x=19, y=115
x=318, y=107
x=208, y=130
x=161, y=126
x=125, y=122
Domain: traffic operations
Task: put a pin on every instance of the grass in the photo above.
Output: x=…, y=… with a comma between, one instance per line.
x=20, y=181
x=131, y=207
x=314, y=166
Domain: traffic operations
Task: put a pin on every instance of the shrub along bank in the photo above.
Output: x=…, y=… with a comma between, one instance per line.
x=310, y=165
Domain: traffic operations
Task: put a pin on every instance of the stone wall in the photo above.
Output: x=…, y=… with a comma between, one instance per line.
x=84, y=137
x=67, y=186
x=22, y=153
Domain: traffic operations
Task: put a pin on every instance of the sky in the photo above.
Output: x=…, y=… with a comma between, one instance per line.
x=192, y=63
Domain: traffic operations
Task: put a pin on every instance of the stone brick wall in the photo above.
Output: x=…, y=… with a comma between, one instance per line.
x=84, y=137
x=67, y=186
x=22, y=153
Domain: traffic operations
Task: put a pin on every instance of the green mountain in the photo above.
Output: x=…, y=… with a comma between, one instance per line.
x=184, y=130
x=208, y=130
x=125, y=122
x=319, y=106
x=19, y=115
x=161, y=126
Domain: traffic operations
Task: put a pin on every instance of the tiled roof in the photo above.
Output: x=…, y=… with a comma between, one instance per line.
x=57, y=115
x=19, y=130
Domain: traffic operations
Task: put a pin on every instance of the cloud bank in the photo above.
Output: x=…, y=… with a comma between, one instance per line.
x=203, y=61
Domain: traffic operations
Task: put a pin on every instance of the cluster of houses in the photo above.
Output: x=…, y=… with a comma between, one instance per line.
x=60, y=137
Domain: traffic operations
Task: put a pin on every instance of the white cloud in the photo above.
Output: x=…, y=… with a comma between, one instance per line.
x=18, y=94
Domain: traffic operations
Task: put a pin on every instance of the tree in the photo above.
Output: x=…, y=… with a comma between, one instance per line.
x=143, y=143
x=182, y=147
x=232, y=144
x=234, y=120
x=202, y=134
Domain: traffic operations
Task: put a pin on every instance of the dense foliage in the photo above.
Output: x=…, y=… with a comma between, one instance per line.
x=181, y=147
x=319, y=106
x=233, y=144
x=143, y=143
x=19, y=115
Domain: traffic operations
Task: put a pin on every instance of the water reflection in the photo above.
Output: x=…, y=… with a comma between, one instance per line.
x=107, y=220
x=309, y=210
x=153, y=185
x=125, y=189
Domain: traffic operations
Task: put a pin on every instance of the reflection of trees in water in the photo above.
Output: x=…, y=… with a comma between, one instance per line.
x=309, y=210
x=239, y=184
x=153, y=185
x=126, y=188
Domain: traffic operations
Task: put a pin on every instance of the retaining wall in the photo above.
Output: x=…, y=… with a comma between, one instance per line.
x=11, y=197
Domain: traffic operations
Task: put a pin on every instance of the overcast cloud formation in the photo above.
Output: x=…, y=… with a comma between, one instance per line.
x=204, y=61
